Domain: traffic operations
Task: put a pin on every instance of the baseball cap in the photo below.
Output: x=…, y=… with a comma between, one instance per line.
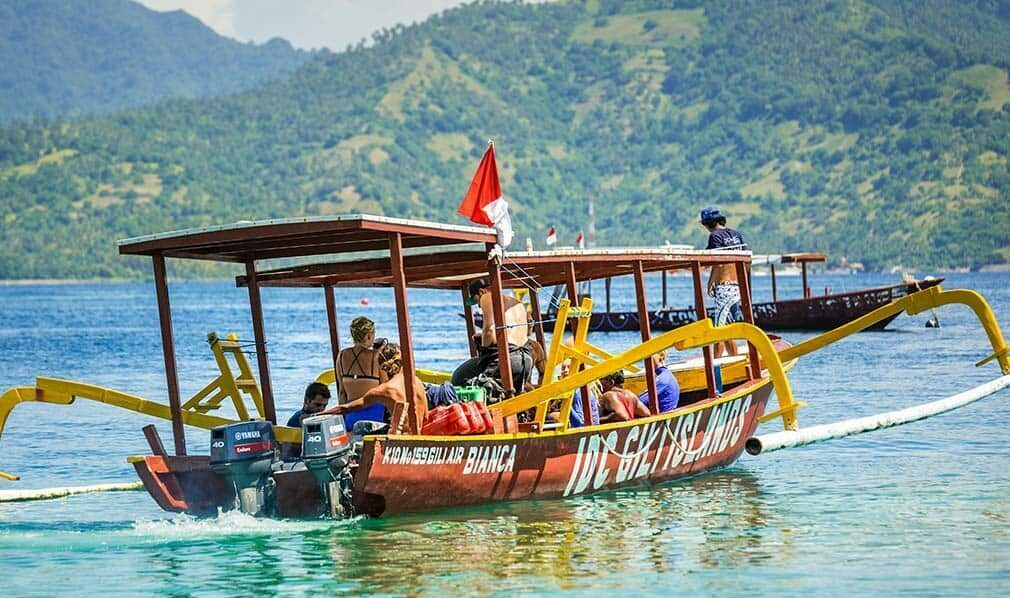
x=710, y=213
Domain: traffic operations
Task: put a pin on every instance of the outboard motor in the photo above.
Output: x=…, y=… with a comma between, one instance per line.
x=326, y=449
x=243, y=453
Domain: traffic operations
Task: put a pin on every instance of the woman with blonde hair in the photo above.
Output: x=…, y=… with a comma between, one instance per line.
x=358, y=372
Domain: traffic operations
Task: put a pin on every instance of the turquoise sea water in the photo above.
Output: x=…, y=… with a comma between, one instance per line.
x=922, y=509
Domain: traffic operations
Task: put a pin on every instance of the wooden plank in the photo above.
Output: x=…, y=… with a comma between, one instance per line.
x=646, y=329
x=412, y=411
x=501, y=335
x=168, y=349
x=256, y=311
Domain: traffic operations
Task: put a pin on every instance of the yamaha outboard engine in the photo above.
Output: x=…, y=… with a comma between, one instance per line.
x=326, y=449
x=243, y=454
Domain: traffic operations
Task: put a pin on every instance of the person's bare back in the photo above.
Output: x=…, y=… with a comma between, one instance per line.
x=515, y=318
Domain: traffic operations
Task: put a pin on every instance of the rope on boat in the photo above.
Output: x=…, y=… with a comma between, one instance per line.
x=767, y=443
x=50, y=493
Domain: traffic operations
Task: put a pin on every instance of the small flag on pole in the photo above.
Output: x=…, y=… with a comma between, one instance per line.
x=552, y=236
x=580, y=241
x=483, y=203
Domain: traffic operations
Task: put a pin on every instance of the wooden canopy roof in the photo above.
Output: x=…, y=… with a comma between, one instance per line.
x=451, y=269
x=248, y=241
x=788, y=258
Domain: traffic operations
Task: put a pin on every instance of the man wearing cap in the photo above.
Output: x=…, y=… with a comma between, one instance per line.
x=516, y=331
x=723, y=284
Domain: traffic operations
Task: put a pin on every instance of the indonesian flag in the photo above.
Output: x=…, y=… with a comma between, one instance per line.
x=552, y=236
x=484, y=203
x=580, y=242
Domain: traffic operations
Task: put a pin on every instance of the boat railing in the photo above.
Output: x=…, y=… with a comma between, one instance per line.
x=585, y=369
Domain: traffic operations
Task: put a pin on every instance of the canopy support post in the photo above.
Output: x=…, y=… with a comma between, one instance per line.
x=168, y=348
x=702, y=313
x=664, y=288
x=331, y=318
x=500, y=332
x=748, y=316
x=646, y=327
x=806, y=289
x=413, y=411
x=468, y=315
x=607, y=287
x=256, y=310
x=775, y=290
x=538, y=325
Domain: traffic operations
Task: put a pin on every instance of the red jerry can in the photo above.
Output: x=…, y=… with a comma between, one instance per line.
x=477, y=425
x=485, y=415
x=447, y=420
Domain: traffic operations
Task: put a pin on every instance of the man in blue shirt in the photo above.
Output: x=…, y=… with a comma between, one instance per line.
x=666, y=386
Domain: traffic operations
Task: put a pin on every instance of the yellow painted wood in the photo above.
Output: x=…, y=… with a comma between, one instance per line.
x=913, y=304
x=64, y=392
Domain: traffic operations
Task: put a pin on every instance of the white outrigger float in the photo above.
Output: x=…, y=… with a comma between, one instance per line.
x=395, y=473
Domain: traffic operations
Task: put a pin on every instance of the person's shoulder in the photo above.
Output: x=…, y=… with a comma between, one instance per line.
x=295, y=420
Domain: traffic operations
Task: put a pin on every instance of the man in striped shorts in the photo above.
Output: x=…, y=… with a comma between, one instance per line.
x=723, y=284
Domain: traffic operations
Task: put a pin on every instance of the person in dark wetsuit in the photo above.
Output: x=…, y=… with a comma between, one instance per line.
x=358, y=372
x=722, y=283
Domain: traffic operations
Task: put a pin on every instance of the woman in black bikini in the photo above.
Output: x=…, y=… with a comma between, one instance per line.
x=358, y=372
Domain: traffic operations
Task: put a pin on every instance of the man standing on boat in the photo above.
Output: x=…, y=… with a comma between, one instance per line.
x=722, y=283
x=516, y=331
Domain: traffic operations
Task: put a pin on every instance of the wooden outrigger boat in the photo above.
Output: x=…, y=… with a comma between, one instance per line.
x=398, y=473
x=809, y=312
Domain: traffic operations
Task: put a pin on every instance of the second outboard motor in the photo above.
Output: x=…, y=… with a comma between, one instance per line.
x=243, y=454
x=326, y=449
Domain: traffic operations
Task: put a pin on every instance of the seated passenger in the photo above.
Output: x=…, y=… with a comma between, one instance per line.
x=516, y=331
x=539, y=357
x=666, y=386
x=408, y=416
x=618, y=404
x=575, y=416
x=358, y=372
x=317, y=396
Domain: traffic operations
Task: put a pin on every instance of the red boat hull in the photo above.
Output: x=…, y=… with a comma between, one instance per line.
x=411, y=474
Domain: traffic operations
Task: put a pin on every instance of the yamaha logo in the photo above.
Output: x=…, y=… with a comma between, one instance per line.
x=247, y=435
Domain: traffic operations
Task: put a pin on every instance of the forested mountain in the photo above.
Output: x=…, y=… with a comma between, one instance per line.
x=876, y=130
x=74, y=57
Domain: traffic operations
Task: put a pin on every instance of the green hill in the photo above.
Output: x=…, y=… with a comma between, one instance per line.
x=878, y=131
x=73, y=57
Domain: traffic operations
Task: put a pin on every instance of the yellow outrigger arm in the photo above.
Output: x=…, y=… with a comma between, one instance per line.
x=194, y=411
x=913, y=304
x=63, y=392
x=690, y=336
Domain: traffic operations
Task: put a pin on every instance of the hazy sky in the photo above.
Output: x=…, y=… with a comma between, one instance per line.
x=305, y=23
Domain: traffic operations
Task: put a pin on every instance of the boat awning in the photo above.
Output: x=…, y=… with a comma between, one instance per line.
x=441, y=269
x=788, y=258
x=248, y=241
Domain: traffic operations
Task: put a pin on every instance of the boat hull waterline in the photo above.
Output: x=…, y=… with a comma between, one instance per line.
x=402, y=474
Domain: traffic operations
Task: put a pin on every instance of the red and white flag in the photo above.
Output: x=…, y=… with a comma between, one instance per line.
x=552, y=236
x=484, y=204
x=580, y=242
